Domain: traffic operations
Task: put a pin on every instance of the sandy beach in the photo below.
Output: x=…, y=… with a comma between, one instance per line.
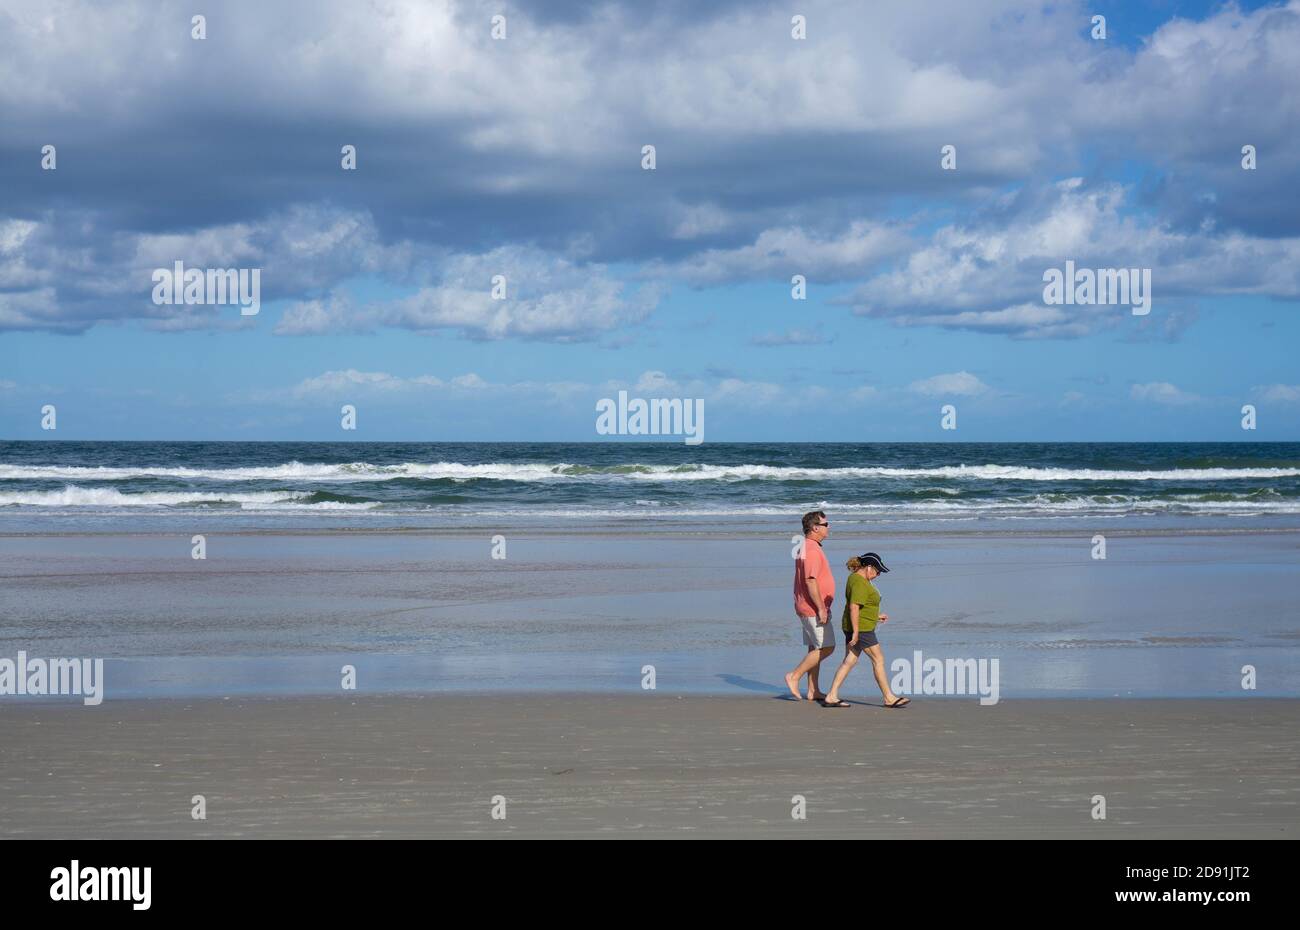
x=504, y=658
x=448, y=420
x=649, y=765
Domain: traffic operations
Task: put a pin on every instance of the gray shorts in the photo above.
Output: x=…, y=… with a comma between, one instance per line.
x=865, y=638
x=817, y=635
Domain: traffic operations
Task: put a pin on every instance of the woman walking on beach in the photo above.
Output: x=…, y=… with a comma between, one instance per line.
x=861, y=614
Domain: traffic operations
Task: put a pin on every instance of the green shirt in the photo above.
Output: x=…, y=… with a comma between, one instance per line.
x=863, y=593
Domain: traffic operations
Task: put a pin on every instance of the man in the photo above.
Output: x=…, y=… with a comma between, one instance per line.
x=814, y=590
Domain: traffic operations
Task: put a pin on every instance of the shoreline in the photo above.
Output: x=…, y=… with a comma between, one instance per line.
x=317, y=676
x=664, y=526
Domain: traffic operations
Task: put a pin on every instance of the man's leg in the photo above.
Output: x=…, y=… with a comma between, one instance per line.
x=807, y=665
x=814, y=692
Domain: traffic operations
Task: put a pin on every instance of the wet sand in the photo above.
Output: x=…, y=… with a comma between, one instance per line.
x=649, y=765
x=280, y=613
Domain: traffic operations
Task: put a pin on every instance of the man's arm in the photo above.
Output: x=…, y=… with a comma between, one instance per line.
x=815, y=593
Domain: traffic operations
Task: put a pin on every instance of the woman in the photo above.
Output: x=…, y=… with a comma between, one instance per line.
x=861, y=614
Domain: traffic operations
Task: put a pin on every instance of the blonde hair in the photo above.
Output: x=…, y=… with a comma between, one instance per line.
x=854, y=564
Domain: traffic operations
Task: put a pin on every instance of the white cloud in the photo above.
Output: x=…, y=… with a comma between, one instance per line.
x=957, y=383
x=336, y=383
x=343, y=384
x=988, y=275
x=34, y=309
x=313, y=317
x=787, y=251
x=547, y=297
x=725, y=391
x=56, y=274
x=1280, y=393
x=1023, y=320
x=1162, y=392
x=1184, y=89
x=791, y=337
x=311, y=249
x=654, y=382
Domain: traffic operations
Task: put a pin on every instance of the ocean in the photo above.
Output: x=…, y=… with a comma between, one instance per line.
x=430, y=483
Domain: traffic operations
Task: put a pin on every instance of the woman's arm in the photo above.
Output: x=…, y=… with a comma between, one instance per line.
x=853, y=618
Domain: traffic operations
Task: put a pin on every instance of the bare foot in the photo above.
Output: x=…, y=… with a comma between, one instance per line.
x=815, y=696
x=793, y=684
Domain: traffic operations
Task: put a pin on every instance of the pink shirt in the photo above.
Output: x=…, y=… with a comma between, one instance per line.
x=812, y=564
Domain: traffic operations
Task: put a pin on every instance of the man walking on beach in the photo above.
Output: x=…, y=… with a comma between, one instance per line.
x=814, y=589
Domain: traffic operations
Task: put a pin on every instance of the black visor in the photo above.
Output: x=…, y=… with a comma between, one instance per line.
x=870, y=558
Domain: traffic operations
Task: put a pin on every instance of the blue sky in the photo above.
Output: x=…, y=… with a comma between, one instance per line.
x=775, y=157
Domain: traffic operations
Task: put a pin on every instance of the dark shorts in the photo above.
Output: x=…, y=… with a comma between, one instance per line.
x=865, y=638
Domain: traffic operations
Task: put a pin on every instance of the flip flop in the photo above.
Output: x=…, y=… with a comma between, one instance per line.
x=900, y=702
x=836, y=704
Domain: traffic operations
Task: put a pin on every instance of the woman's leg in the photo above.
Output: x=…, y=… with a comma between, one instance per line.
x=877, y=656
x=841, y=673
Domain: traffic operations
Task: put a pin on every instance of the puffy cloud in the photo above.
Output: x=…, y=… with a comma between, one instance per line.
x=56, y=278
x=340, y=385
x=1192, y=95
x=954, y=384
x=351, y=384
x=65, y=273
x=33, y=309
x=785, y=252
x=791, y=337
x=987, y=275
x=726, y=390
x=546, y=297
x=1162, y=392
x=1280, y=393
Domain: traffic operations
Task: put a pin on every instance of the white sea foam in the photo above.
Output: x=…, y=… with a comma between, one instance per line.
x=73, y=496
x=946, y=509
